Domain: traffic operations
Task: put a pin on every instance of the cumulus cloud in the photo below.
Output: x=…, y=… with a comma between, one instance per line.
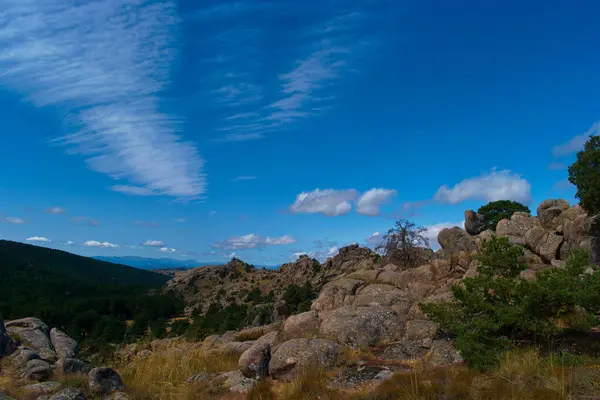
x=370, y=202
x=103, y=64
x=321, y=255
x=56, y=210
x=38, y=239
x=167, y=250
x=327, y=201
x=153, y=243
x=497, y=185
x=576, y=143
x=104, y=245
x=14, y=220
x=252, y=241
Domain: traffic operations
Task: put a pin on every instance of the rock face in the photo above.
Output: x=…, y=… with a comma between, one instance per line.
x=33, y=333
x=103, y=381
x=294, y=355
x=361, y=326
x=72, y=366
x=454, y=240
x=7, y=345
x=254, y=362
x=474, y=222
x=36, y=370
x=64, y=346
x=301, y=325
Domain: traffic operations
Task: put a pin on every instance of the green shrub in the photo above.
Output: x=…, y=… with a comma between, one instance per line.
x=497, y=308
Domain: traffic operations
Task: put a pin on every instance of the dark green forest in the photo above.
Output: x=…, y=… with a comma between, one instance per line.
x=87, y=298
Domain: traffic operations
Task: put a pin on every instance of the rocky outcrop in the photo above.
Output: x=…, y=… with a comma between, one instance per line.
x=454, y=240
x=69, y=394
x=103, y=381
x=297, y=354
x=71, y=366
x=64, y=345
x=34, y=334
x=361, y=326
x=336, y=294
x=474, y=223
x=301, y=325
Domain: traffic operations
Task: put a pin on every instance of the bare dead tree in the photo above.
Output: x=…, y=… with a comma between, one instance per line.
x=405, y=244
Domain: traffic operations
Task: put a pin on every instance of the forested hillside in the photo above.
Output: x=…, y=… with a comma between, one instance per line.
x=89, y=299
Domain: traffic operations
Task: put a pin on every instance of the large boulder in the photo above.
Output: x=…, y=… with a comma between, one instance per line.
x=474, y=222
x=235, y=382
x=549, y=248
x=301, y=325
x=516, y=227
x=381, y=295
x=336, y=294
x=254, y=362
x=443, y=352
x=454, y=240
x=362, y=326
x=7, y=345
x=33, y=333
x=298, y=354
x=549, y=211
x=103, y=381
x=42, y=387
x=65, y=346
x=421, y=329
x=36, y=370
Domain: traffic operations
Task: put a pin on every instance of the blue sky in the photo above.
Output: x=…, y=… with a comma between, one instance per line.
x=272, y=128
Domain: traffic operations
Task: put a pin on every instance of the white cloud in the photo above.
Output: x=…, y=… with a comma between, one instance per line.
x=252, y=241
x=133, y=190
x=327, y=201
x=369, y=203
x=243, y=178
x=375, y=239
x=318, y=255
x=232, y=255
x=153, y=243
x=105, y=245
x=56, y=210
x=38, y=239
x=69, y=243
x=14, y=220
x=167, y=250
x=146, y=223
x=103, y=63
x=576, y=143
x=181, y=220
x=503, y=185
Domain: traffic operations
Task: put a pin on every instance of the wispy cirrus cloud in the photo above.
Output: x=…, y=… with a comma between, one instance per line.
x=150, y=224
x=153, y=243
x=14, y=220
x=576, y=143
x=244, y=178
x=104, y=63
x=86, y=221
x=56, y=210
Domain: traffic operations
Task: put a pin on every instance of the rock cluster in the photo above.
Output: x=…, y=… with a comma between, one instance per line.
x=34, y=352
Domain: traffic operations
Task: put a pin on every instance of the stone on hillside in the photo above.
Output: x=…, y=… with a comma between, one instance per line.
x=104, y=380
x=474, y=222
x=33, y=333
x=227, y=337
x=211, y=341
x=20, y=357
x=36, y=370
x=281, y=311
x=421, y=329
x=362, y=326
x=42, y=387
x=334, y=294
x=7, y=345
x=65, y=346
x=482, y=237
x=368, y=275
x=237, y=347
x=71, y=394
x=549, y=211
x=454, y=240
x=72, y=366
x=235, y=381
x=550, y=247
x=534, y=237
x=301, y=325
x=380, y=295
x=443, y=352
x=254, y=362
x=297, y=354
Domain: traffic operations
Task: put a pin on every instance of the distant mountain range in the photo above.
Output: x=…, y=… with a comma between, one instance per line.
x=154, y=263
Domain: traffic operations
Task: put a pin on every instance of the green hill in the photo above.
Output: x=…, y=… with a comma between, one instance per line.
x=86, y=297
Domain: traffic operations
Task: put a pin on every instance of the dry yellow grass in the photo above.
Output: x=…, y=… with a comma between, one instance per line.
x=162, y=375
